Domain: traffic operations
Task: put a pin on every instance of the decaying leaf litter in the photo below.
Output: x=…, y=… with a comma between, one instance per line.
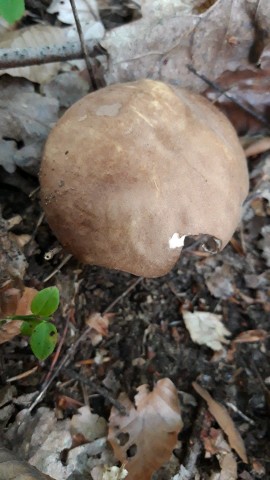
x=145, y=336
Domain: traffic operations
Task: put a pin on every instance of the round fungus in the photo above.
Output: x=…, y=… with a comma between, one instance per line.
x=130, y=170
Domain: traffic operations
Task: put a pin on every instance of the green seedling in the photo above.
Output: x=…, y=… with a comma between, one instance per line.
x=38, y=327
x=11, y=10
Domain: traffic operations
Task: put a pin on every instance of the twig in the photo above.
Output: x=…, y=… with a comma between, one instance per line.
x=241, y=414
x=83, y=45
x=123, y=295
x=230, y=97
x=57, y=269
x=71, y=351
x=25, y=57
x=59, y=348
x=101, y=390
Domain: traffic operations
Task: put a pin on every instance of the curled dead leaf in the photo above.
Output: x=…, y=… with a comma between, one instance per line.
x=221, y=415
x=143, y=440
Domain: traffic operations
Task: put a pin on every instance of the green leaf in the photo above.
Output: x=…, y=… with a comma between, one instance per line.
x=43, y=340
x=45, y=302
x=28, y=327
x=11, y=10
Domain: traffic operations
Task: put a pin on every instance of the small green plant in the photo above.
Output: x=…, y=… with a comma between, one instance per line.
x=41, y=332
x=12, y=10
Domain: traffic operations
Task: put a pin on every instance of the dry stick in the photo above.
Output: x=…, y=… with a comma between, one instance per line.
x=25, y=57
x=230, y=97
x=57, y=269
x=71, y=351
x=83, y=45
x=101, y=390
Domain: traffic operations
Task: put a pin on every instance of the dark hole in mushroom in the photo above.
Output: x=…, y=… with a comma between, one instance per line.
x=132, y=450
x=122, y=438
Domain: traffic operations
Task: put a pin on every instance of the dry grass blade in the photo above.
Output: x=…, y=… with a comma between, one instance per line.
x=224, y=420
x=143, y=439
x=12, y=468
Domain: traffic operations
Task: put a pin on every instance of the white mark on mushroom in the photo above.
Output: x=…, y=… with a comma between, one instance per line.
x=176, y=241
x=109, y=110
x=142, y=116
x=81, y=119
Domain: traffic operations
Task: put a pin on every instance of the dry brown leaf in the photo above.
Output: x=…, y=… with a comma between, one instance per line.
x=25, y=301
x=99, y=327
x=29, y=37
x=251, y=89
x=9, y=330
x=259, y=146
x=160, y=47
x=11, y=468
x=12, y=328
x=143, y=439
x=221, y=415
x=251, y=336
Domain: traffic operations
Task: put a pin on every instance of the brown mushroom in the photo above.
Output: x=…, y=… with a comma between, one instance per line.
x=132, y=169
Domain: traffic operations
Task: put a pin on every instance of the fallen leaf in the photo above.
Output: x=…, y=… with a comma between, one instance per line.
x=24, y=305
x=33, y=37
x=99, y=327
x=221, y=415
x=206, y=328
x=215, y=444
x=9, y=298
x=86, y=9
x=12, y=260
x=67, y=403
x=88, y=14
x=12, y=468
x=258, y=147
x=248, y=87
x=26, y=118
x=220, y=282
x=161, y=46
x=90, y=425
x=249, y=336
x=9, y=330
x=143, y=439
x=228, y=467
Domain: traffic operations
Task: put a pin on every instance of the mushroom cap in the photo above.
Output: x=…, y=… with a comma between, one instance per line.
x=131, y=169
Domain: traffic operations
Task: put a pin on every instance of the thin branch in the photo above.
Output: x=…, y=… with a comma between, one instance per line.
x=230, y=97
x=96, y=388
x=72, y=350
x=25, y=57
x=83, y=45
